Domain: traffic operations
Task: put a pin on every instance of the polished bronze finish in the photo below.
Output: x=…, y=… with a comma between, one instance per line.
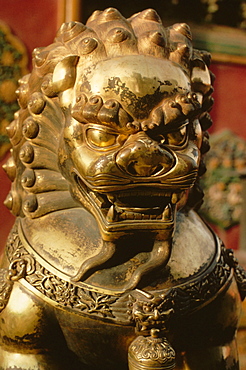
x=108, y=265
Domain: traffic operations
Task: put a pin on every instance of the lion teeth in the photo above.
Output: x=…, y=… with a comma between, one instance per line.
x=167, y=214
x=116, y=213
x=175, y=198
x=123, y=216
x=111, y=198
x=112, y=214
x=145, y=217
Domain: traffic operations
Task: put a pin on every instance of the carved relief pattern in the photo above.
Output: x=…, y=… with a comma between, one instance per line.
x=149, y=312
x=239, y=272
x=21, y=265
x=203, y=290
x=178, y=300
x=152, y=352
x=68, y=295
x=6, y=286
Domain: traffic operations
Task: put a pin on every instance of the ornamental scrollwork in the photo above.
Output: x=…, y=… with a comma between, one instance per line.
x=6, y=286
x=239, y=272
x=150, y=312
x=145, y=310
x=69, y=295
x=93, y=302
x=152, y=352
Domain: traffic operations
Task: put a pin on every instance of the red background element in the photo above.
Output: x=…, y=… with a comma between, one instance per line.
x=229, y=112
x=35, y=23
x=6, y=218
x=32, y=21
x=230, y=105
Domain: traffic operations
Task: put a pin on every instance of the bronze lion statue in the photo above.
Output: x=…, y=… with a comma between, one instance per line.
x=108, y=264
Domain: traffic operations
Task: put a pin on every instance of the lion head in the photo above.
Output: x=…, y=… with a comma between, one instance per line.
x=114, y=113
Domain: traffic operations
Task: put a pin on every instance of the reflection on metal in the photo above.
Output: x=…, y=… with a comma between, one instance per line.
x=107, y=153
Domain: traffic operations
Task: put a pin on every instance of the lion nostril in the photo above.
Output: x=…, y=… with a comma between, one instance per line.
x=140, y=169
x=144, y=158
x=145, y=164
x=131, y=168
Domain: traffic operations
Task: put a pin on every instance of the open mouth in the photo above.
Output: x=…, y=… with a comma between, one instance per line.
x=136, y=208
x=141, y=204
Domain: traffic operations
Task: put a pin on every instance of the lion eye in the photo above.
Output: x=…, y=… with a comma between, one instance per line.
x=100, y=138
x=177, y=137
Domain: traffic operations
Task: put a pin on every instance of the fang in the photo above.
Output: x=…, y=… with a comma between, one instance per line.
x=167, y=214
x=112, y=214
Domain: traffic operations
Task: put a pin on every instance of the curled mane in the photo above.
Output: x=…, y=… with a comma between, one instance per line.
x=37, y=129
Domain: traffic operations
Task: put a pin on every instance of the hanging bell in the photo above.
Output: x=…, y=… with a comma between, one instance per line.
x=151, y=353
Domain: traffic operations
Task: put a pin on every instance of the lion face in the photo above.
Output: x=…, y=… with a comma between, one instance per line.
x=133, y=154
x=111, y=114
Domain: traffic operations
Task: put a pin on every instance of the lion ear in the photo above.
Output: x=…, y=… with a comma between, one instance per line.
x=65, y=73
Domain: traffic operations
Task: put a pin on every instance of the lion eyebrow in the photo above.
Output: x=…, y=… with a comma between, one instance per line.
x=175, y=111
x=95, y=110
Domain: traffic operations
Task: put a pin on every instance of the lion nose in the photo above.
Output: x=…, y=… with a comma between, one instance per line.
x=142, y=156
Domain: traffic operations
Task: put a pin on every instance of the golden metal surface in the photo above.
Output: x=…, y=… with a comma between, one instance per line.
x=108, y=259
